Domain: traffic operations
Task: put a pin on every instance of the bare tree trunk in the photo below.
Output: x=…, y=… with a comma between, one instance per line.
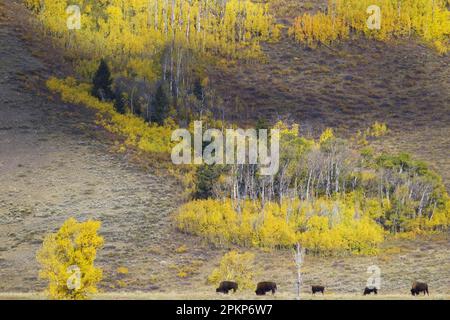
x=298, y=258
x=156, y=15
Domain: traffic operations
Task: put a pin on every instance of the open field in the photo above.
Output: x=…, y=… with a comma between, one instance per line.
x=241, y=296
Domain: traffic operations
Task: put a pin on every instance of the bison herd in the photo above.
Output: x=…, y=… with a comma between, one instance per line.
x=267, y=286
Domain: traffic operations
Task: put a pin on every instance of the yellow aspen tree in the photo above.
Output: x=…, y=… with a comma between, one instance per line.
x=67, y=260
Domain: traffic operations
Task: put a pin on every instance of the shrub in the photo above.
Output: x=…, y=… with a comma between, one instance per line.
x=323, y=226
x=34, y=5
x=235, y=266
x=67, y=260
x=181, y=249
x=122, y=270
x=319, y=29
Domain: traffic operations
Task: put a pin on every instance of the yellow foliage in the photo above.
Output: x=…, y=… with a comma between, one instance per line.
x=327, y=135
x=428, y=20
x=323, y=226
x=121, y=284
x=235, y=266
x=142, y=68
x=73, y=247
x=319, y=29
x=378, y=130
x=185, y=271
x=182, y=249
x=34, y=5
x=122, y=270
x=140, y=30
x=410, y=235
x=146, y=137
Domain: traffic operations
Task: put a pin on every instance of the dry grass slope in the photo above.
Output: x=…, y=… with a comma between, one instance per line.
x=348, y=87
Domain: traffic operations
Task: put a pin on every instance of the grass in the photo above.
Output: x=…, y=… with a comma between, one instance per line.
x=214, y=296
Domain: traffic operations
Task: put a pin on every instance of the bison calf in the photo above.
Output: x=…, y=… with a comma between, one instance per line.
x=418, y=287
x=226, y=286
x=368, y=290
x=316, y=289
x=263, y=287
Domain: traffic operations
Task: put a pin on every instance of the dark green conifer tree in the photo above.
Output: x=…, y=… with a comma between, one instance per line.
x=102, y=82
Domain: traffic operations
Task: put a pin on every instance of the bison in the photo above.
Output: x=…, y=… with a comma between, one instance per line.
x=226, y=286
x=368, y=290
x=316, y=289
x=418, y=287
x=263, y=287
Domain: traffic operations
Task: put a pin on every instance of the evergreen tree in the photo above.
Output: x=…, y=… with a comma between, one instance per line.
x=198, y=90
x=119, y=103
x=262, y=124
x=160, y=105
x=102, y=82
x=206, y=176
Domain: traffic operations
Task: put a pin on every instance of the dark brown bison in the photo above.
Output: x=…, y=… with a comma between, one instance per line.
x=263, y=287
x=316, y=289
x=226, y=286
x=418, y=287
x=368, y=290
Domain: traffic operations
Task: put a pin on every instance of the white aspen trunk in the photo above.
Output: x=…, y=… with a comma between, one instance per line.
x=199, y=17
x=156, y=15
x=188, y=25
x=166, y=17
x=298, y=259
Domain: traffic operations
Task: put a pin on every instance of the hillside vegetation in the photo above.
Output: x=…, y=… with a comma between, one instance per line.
x=424, y=19
x=332, y=195
x=350, y=105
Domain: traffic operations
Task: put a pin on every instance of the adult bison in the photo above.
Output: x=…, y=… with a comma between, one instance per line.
x=368, y=290
x=418, y=287
x=316, y=289
x=226, y=286
x=263, y=287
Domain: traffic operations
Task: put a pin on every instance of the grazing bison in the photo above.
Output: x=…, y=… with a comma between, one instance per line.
x=418, y=287
x=226, y=286
x=368, y=290
x=263, y=287
x=316, y=289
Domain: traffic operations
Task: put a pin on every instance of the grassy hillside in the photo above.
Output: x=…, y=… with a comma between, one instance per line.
x=61, y=162
x=348, y=87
